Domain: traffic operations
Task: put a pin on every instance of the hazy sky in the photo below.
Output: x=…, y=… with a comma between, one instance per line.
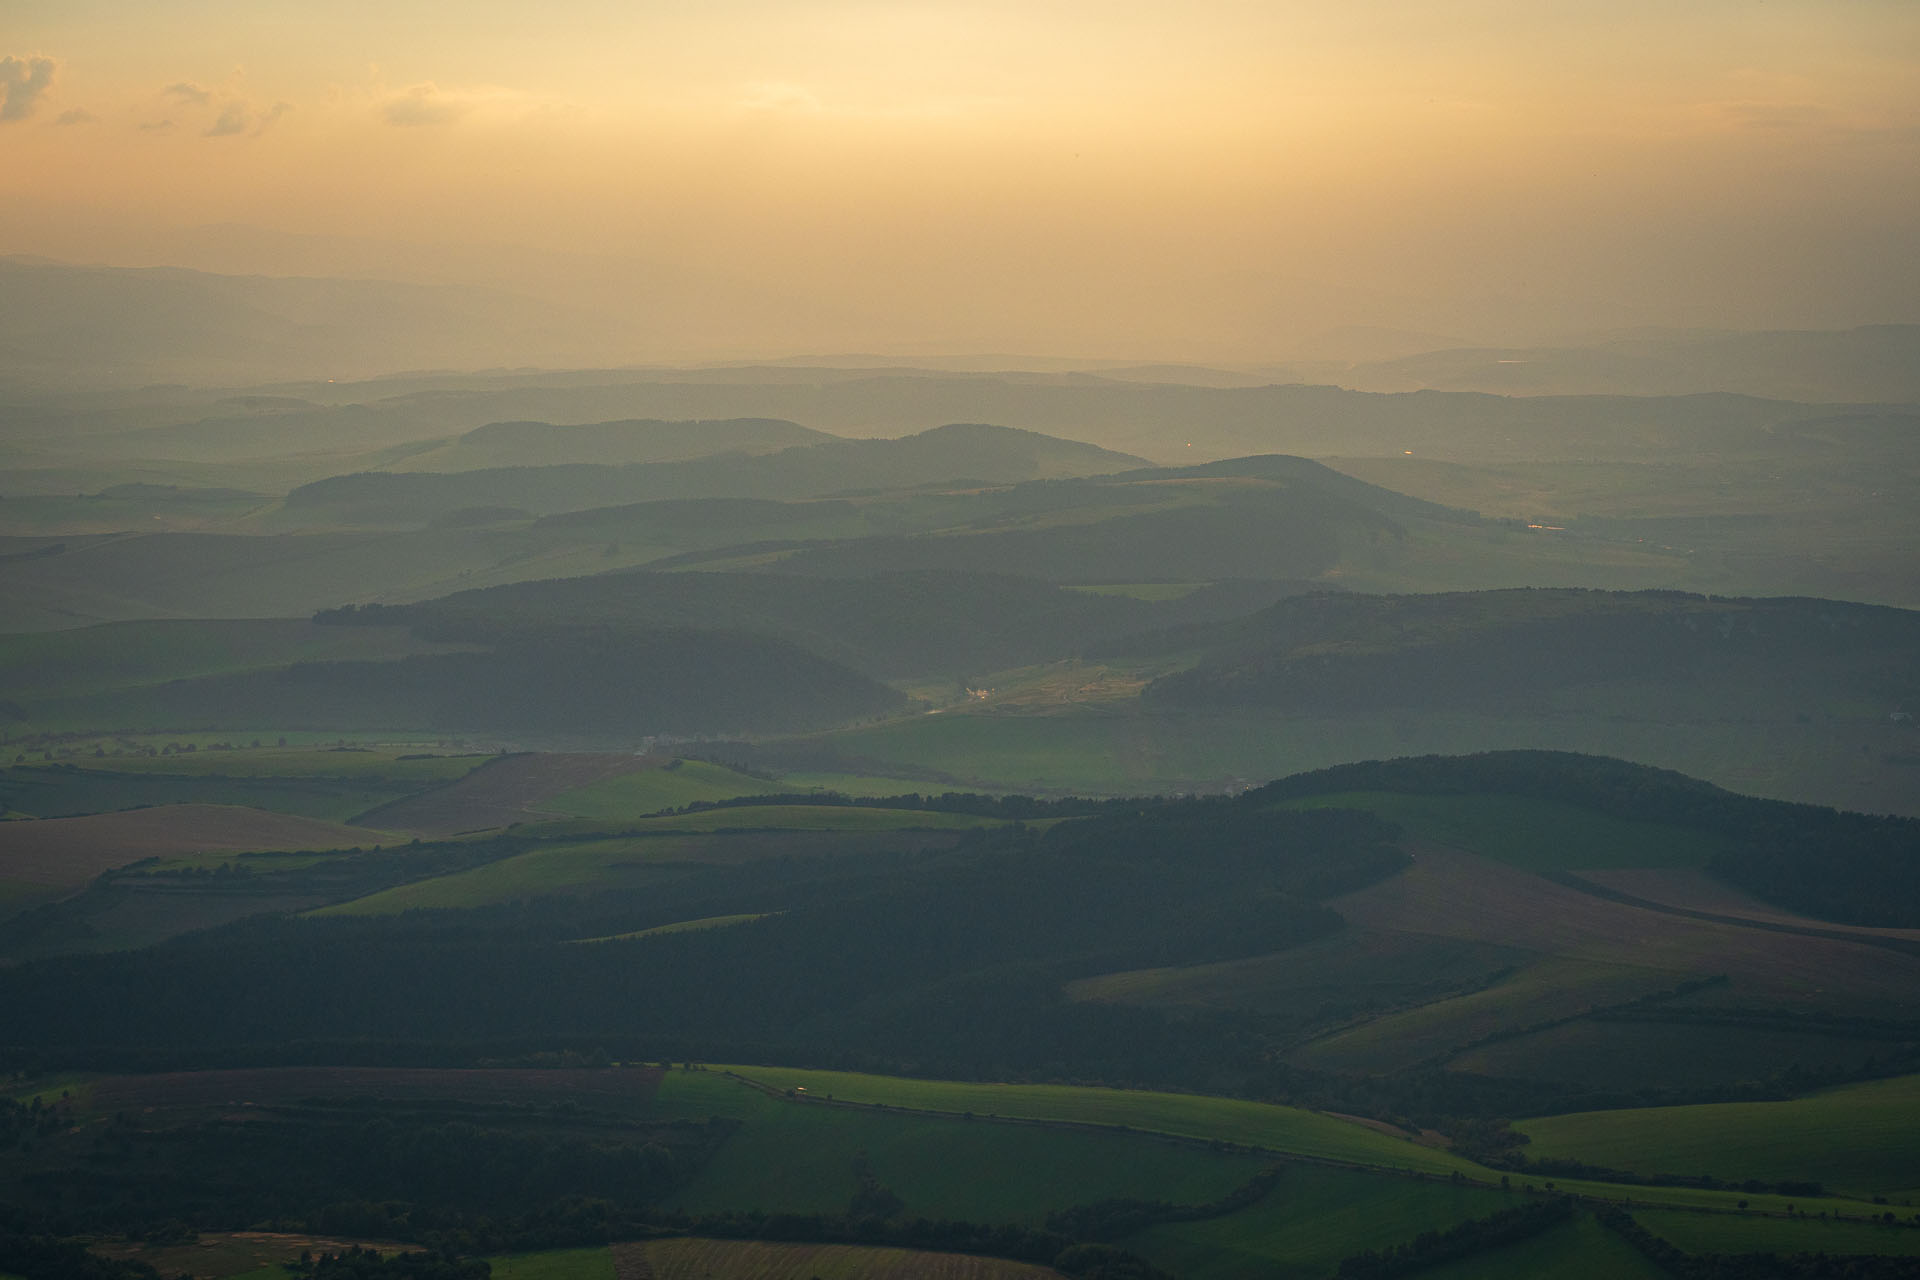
x=1209, y=178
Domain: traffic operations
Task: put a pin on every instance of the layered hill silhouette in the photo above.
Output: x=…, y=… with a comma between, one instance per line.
x=623, y=443
x=954, y=454
x=1320, y=651
x=560, y=682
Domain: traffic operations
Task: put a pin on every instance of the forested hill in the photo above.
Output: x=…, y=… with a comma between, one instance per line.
x=953, y=958
x=890, y=624
x=559, y=682
x=1848, y=867
x=1267, y=518
x=1469, y=648
x=631, y=440
x=971, y=453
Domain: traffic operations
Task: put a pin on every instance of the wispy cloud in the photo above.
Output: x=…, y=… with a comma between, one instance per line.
x=239, y=117
x=425, y=104
x=23, y=81
x=231, y=122
x=76, y=115
x=191, y=94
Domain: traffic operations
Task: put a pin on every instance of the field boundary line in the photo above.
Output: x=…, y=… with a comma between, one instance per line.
x=1573, y=881
x=1095, y=1126
x=1521, y=1182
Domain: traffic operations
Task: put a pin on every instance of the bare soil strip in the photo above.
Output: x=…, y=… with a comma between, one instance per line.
x=1689, y=889
x=503, y=792
x=72, y=851
x=1459, y=895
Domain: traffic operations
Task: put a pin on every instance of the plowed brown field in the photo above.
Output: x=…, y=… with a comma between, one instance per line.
x=1689, y=889
x=700, y=1259
x=1459, y=895
x=71, y=851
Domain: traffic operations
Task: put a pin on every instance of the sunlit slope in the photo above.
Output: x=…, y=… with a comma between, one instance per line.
x=1330, y=1163
x=1495, y=957
x=795, y=1158
x=1856, y=1139
x=1251, y=1124
x=649, y=849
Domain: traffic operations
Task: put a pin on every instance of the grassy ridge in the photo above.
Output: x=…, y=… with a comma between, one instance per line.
x=718, y=835
x=804, y=817
x=1258, y=1124
x=1554, y=987
x=688, y=782
x=1114, y=749
x=683, y=926
x=801, y=1158
x=1577, y=1250
x=1535, y=835
x=631, y=795
x=1310, y=1221
x=1279, y=1128
x=1857, y=1139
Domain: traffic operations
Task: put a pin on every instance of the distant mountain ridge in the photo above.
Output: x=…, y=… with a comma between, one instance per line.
x=968, y=453
x=1870, y=363
x=622, y=443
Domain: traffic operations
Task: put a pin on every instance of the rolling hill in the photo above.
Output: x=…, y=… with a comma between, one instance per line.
x=955, y=454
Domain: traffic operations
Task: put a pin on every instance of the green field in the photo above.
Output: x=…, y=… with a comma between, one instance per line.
x=800, y=1157
x=1858, y=1139
x=682, y=926
x=593, y=1263
x=557, y=868
x=813, y=817
x=1633, y=1055
x=1547, y=989
x=717, y=835
x=855, y=784
x=1750, y=1233
x=49, y=1089
x=1535, y=835
x=1577, y=1250
x=1275, y=1128
x=1116, y=748
x=632, y=795
x=1256, y=1124
x=1310, y=1221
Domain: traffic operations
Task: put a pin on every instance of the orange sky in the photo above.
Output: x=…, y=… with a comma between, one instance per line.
x=1212, y=179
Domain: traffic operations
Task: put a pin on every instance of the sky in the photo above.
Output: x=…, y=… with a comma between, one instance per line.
x=1212, y=179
